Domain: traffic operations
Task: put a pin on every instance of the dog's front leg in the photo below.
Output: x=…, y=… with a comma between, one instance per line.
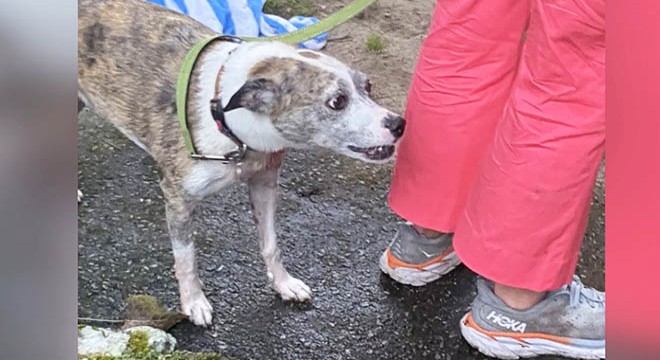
x=193, y=301
x=263, y=196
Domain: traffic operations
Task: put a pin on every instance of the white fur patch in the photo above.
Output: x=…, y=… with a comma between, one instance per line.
x=292, y=289
x=257, y=131
x=209, y=177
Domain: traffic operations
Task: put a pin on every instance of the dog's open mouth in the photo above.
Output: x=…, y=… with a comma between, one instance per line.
x=375, y=152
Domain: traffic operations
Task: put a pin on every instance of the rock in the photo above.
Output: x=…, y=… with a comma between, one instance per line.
x=139, y=339
x=92, y=340
x=159, y=340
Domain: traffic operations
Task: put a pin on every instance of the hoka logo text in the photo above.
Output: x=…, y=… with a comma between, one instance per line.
x=506, y=322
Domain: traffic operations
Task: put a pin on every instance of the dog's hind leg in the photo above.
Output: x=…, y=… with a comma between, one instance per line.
x=178, y=209
x=263, y=196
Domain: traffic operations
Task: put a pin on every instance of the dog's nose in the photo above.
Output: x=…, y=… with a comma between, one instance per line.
x=396, y=125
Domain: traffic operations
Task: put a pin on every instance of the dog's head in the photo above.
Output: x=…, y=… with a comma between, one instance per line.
x=301, y=99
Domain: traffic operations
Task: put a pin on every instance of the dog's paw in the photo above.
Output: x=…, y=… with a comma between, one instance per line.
x=292, y=289
x=80, y=195
x=198, y=309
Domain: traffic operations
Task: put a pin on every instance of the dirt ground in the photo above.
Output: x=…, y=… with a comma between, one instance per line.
x=333, y=224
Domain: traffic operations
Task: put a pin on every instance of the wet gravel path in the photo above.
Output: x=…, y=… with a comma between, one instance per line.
x=333, y=224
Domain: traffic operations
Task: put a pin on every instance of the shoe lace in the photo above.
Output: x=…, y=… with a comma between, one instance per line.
x=579, y=294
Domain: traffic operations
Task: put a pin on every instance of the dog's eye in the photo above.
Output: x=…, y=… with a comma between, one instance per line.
x=338, y=102
x=367, y=87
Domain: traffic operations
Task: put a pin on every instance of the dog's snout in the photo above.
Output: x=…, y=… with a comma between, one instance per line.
x=396, y=125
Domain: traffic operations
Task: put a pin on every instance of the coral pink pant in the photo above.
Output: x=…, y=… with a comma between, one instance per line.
x=505, y=136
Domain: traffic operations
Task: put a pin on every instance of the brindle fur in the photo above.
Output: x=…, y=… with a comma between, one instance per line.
x=119, y=39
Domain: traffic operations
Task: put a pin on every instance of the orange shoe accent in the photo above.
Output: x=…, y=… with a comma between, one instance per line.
x=516, y=336
x=394, y=263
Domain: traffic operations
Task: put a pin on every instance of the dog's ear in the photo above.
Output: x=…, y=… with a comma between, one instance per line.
x=259, y=95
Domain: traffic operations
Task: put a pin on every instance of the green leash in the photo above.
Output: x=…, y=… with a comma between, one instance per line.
x=295, y=37
x=332, y=21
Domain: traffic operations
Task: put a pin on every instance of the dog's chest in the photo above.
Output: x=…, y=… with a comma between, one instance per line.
x=209, y=177
x=259, y=162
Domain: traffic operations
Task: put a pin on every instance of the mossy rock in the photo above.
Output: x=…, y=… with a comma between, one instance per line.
x=138, y=344
x=139, y=349
x=177, y=355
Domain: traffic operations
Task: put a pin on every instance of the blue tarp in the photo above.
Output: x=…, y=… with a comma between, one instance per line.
x=242, y=18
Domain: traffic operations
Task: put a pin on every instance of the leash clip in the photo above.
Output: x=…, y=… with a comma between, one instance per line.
x=237, y=155
x=233, y=157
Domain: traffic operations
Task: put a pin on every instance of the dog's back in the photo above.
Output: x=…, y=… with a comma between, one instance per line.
x=129, y=55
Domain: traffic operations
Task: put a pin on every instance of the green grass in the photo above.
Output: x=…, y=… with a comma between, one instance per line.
x=375, y=43
x=289, y=8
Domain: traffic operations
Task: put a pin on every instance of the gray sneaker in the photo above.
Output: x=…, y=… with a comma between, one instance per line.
x=414, y=259
x=568, y=322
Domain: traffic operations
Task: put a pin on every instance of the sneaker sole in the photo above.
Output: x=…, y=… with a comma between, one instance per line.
x=416, y=277
x=511, y=348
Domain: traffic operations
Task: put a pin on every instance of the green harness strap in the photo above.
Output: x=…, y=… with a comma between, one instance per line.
x=182, y=84
x=295, y=37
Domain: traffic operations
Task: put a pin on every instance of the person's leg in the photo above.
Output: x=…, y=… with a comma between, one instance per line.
x=526, y=215
x=527, y=212
x=461, y=82
x=518, y=298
